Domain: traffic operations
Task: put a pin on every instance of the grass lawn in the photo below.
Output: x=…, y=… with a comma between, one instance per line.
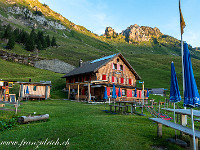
x=86, y=126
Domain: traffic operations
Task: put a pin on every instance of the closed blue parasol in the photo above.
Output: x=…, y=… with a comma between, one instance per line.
x=114, y=92
x=147, y=95
x=191, y=94
x=105, y=95
x=119, y=93
x=174, y=89
x=135, y=94
x=27, y=90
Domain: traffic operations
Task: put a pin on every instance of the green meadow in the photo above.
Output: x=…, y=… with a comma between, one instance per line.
x=86, y=126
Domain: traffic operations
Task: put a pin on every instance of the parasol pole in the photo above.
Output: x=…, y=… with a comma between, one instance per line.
x=175, y=120
x=194, y=145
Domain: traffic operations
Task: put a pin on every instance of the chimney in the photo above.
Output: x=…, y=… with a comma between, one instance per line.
x=80, y=63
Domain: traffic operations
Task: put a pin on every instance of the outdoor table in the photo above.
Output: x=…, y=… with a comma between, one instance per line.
x=127, y=102
x=183, y=113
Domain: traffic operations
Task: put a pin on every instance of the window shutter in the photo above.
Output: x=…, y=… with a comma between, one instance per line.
x=83, y=91
x=112, y=66
x=130, y=81
x=117, y=90
x=122, y=80
x=103, y=77
x=108, y=91
x=118, y=67
x=123, y=68
x=113, y=79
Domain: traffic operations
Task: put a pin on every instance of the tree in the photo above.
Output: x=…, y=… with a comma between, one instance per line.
x=24, y=37
x=29, y=46
x=33, y=35
x=44, y=44
x=7, y=32
x=48, y=41
x=16, y=34
x=39, y=45
x=11, y=42
x=53, y=42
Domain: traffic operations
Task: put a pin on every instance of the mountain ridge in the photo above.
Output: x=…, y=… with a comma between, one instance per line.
x=77, y=40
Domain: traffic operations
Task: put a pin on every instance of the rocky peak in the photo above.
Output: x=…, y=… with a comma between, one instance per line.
x=135, y=33
x=110, y=32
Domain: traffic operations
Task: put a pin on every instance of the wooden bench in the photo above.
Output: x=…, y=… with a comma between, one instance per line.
x=2, y=105
x=115, y=107
x=179, y=127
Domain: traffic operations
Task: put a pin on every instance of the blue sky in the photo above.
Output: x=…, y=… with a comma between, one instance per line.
x=96, y=15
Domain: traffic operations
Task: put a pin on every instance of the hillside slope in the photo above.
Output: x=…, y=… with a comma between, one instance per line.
x=151, y=59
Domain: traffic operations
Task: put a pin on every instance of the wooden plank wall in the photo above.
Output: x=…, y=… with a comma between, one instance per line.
x=109, y=72
x=40, y=90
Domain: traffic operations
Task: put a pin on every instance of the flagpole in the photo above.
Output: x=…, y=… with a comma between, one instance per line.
x=182, y=63
x=183, y=67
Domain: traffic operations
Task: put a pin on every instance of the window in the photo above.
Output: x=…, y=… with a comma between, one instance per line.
x=117, y=59
x=114, y=79
x=115, y=66
x=34, y=88
x=121, y=67
x=103, y=77
x=133, y=93
x=111, y=91
x=123, y=92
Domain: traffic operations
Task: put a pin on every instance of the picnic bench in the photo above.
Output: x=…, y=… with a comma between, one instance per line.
x=2, y=105
x=179, y=127
x=119, y=106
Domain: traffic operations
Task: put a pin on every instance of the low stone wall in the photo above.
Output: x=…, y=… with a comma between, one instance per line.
x=28, y=60
x=54, y=65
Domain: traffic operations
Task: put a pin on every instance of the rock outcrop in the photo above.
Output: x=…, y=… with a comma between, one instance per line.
x=110, y=32
x=33, y=20
x=135, y=33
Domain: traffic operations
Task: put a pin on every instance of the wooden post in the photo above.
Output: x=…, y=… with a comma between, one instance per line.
x=46, y=92
x=21, y=91
x=16, y=107
x=191, y=143
x=159, y=130
x=69, y=92
x=89, y=96
x=183, y=120
x=78, y=92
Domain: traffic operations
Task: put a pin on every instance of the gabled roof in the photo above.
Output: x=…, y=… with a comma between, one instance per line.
x=94, y=65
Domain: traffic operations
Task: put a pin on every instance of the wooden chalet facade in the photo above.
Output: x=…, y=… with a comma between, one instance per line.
x=89, y=80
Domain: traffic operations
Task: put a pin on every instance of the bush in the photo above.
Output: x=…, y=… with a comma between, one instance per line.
x=7, y=124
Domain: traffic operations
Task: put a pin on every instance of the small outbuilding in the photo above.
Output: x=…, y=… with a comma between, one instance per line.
x=34, y=90
x=5, y=86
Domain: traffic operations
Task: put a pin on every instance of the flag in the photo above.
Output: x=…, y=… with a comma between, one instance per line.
x=182, y=22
